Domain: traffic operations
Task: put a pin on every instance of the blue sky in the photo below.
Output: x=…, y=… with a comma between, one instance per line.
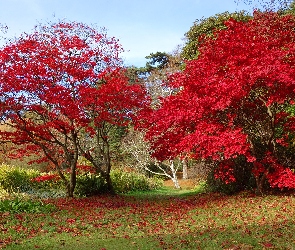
x=142, y=26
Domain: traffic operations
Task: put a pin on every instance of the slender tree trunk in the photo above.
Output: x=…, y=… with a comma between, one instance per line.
x=184, y=168
x=69, y=184
x=72, y=183
x=174, y=175
x=107, y=162
x=260, y=182
x=110, y=188
x=70, y=190
x=73, y=159
x=176, y=183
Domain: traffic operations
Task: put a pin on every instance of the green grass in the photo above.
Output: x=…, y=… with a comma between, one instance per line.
x=166, y=192
x=163, y=219
x=66, y=241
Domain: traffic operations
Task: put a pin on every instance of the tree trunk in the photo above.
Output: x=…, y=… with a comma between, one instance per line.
x=70, y=190
x=110, y=188
x=184, y=169
x=69, y=184
x=260, y=181
x=174, y=175
x=176, y=183
x=107, y=162
x=72, y=183
x=72, y=158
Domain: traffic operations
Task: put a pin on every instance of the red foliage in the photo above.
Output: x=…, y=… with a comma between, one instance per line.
x=225, y=172
x=47, y=177
x=85, y=169
x=58, y=88
x=230, y=96
x=279, y=176
x=46, y=76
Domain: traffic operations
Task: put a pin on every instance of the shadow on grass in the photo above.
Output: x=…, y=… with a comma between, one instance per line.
x=66, y=242
x=275, y=236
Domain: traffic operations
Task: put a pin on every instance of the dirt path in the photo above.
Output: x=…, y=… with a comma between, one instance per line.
x=184, y=184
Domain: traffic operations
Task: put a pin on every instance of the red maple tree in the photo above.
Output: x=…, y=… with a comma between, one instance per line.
x=234, y=99
x=62, y=88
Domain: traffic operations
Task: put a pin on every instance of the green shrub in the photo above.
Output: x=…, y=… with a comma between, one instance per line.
x=156, y=182
x=5, y=195
x=18, y=205
x=124, y=182
x=89, y=184
x=49, y=185
x=16, y=179
x=242, y=174
x=217, y=185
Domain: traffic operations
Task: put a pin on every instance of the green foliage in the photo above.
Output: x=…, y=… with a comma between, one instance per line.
x=17, y=182
x=207, y=27
x=89, y=184
x=18, y=205
x=5, y=195
x=32, y=183
x=291, y=8
x=125, y=182
x=16, y=179
x=158, y=60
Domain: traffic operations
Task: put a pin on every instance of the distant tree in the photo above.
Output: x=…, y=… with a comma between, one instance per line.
x=158, y=60
x=269, y=4
x=290, y=9
x=159, y=67
x=62, y=89
x=140, y=153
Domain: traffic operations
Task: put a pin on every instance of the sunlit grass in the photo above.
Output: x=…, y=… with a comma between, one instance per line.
x=166, y=192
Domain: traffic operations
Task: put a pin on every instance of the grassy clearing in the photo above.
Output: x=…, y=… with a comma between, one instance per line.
x=164, y=219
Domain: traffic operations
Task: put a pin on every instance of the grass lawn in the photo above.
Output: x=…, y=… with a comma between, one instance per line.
x=164, y=219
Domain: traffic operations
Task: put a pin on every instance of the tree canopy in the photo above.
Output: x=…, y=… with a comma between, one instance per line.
x=232, y=100
x=206, y=27
x=62, y=88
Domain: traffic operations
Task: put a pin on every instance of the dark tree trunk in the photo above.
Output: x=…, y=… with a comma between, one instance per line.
x=107, y=163
x=261, y=181
x=72, y=183
x=72, y=158
x=110, y=188
x=260, y=184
